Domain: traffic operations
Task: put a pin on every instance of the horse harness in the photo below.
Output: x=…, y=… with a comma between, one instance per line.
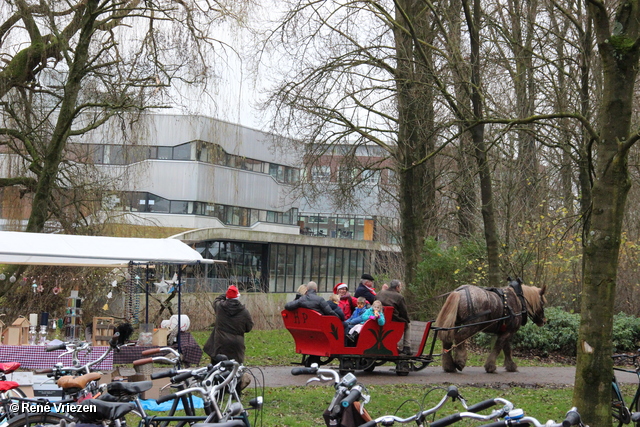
x=507, y=311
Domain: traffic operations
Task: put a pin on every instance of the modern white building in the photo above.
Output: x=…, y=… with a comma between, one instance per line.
x=233, y=189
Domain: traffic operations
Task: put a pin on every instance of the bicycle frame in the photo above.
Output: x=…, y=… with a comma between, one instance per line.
x=620, y=410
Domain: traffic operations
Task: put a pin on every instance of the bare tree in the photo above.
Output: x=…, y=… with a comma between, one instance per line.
x=71, y=66
x=352, y=87
x=617, y=30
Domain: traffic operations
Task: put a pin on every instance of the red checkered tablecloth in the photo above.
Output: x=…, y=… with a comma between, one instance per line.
x=190, y=350
x=35, y=357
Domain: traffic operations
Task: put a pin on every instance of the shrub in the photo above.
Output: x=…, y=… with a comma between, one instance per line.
x=560, y=334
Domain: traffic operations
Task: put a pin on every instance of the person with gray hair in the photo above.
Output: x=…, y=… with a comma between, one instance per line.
x=393, y=298
x=311, y=300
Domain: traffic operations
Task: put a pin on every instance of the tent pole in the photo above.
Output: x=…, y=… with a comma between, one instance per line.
x=147, y=296
x=179, y=305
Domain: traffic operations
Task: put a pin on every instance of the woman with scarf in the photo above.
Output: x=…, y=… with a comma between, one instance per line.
x=366, y=289
x=347, y=302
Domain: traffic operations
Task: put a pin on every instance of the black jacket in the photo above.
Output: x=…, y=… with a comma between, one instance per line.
x=233, y=320
x=336, y=308
x=363, y=291
x=311, y=301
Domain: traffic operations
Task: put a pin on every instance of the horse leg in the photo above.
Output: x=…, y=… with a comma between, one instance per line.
x=447, y=357
x=460, y=358
x=509, y=364
x=490, y=364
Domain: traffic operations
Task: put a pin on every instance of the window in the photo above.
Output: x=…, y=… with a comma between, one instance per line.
x=178, y=207
x=321, y=173
x=254, y=216
x=273, y=170
x=96, y=153
x=116, y=155
x=139, y=202
x=370, y=177
x=165, y=153
x=345, y=174
x=182, y=152
x=158, y=204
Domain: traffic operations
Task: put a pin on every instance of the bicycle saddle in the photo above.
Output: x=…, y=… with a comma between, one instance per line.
x=8, y=385
x=7, y=368
x=68, y=381
x=120, y=388
x=104, y=410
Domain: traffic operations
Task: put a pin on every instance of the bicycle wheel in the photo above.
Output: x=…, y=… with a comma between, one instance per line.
x=636, y=408
x=618, y=407
x=33, y=420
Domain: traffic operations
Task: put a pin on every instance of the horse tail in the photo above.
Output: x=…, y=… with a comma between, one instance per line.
x=447, y=317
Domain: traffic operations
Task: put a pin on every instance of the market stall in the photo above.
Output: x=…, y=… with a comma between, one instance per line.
x=93, y=251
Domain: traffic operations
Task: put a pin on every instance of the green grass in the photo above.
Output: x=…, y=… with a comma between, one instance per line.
x=277, y=348
x=303, y=406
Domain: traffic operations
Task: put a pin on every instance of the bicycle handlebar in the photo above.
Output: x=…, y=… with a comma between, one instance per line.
x=164, y=374
x=353, y=396
x=62, y=346
x=139, y=362
x=572, y=418
x=304, y=371
x=481, y=406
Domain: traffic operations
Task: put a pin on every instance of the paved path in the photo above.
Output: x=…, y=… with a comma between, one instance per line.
x=280, y=376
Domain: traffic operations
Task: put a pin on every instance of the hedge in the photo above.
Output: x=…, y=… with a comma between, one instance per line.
x=560, y=334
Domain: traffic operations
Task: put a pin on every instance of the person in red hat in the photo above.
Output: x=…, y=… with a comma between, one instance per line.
x=347, y=302
x=233, y=320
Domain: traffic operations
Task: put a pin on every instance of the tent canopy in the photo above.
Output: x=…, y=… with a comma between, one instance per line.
x=92, y=251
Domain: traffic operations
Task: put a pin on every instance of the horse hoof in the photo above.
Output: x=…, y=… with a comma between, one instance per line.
x=511, y=368
x=448, y=369
x=459, y=367
x=490, y=369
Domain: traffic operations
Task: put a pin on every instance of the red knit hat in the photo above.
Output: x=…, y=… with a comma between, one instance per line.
x=233, y=292
x=339, y=286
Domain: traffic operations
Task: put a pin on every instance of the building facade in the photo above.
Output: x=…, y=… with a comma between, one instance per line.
x=235, y=192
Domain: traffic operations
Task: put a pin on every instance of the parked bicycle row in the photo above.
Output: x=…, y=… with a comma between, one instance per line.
x=347, y=408
x=219, y=387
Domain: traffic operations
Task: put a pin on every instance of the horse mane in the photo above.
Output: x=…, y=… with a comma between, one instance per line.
x=532, y=295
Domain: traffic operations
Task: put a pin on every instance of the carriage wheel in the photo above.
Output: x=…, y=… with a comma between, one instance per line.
x=402, y=368
x=309, y=360
x=367, y=365
x=346, y=365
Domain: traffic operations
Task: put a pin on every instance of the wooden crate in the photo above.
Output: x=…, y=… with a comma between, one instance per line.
x=103, y=328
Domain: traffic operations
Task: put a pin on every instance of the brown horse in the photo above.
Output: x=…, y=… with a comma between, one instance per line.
x=500, y=311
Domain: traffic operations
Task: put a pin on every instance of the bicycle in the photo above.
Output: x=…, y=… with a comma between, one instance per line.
x=620, y=411
x=218, y=386
x=347, y=405
x=76, y=388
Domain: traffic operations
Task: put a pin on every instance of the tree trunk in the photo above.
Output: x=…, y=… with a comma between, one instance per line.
x=415, y=141
x=51, y=162
x=474, y=20
x=619, y=55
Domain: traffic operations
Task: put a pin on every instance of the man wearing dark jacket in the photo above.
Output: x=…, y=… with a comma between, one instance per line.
x=312, y=301
x=392, y=297
x=365, y=289
x=233, y=320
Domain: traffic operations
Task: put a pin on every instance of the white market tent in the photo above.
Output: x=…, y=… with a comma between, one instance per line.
x=92, y=251
x=95, y=251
